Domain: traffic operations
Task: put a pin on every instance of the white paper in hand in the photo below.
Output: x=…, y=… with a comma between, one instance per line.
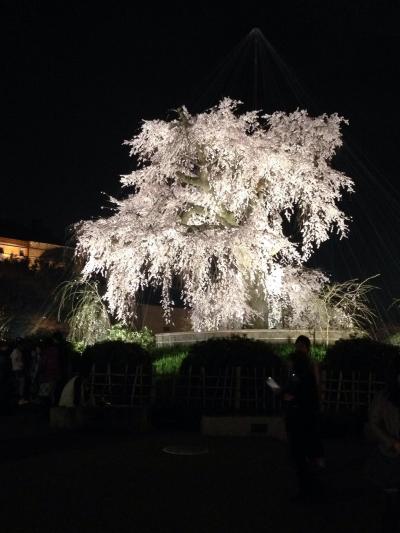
x=273, y=384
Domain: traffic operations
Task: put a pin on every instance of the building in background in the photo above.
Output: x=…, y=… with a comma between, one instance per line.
x=31, y=251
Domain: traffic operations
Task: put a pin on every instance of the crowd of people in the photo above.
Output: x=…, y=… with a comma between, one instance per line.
x=31, y=371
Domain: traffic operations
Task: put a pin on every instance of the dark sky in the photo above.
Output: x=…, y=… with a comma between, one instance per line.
x=78, y=77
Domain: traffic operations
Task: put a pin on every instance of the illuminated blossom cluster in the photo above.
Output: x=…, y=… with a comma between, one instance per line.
x=229, y=207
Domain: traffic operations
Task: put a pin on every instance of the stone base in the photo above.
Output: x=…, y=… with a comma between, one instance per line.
x=100, y=418
x=237, y=425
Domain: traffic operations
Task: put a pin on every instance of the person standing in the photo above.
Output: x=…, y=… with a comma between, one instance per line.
x=301, y=408
x=18, y=368
x=5, y=377
x=34, y=371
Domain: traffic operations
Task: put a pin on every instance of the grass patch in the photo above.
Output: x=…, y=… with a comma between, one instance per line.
x=167, y=360
x=168, y=366
x=318, y=351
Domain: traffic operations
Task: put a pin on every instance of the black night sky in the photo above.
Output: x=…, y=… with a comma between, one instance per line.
x=78, y=77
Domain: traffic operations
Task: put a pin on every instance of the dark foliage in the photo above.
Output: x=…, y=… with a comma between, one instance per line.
x=361, y=355
x=215, y=354
x=27, y=293
x=118, y=354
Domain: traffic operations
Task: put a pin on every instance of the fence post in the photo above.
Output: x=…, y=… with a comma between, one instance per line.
x=109, y=380
x=223, y=389
x=141, y=389
x=232, y=387
x=264, y=389
x=173, y=394
x=203, y=386
x=369, y=388
x=237, y=387
x=323, y=385
x=92, y=379
x=126, y=391
x=134, y=383
x=255, y=387
x=189, y=389
x=339, y=391
x=153, y=390
x=358, y=399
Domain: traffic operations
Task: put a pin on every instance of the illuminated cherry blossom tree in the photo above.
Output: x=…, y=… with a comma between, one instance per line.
x=230, y=205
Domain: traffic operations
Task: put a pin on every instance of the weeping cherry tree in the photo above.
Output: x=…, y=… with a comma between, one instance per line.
x=230, y=204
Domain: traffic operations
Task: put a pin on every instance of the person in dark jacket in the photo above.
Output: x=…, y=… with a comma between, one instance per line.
x=301, y=405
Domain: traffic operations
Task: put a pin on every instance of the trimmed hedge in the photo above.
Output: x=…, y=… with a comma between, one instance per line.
x=361, y=355
x=350, y=355
x=118, y=354
x=215, y=354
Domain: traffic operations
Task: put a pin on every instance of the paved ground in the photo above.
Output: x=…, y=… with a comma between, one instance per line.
x=83, y=483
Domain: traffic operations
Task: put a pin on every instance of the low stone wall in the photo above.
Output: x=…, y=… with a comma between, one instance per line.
x=276, y=336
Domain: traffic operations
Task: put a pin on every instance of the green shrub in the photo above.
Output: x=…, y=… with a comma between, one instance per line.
x=361, y=355
x=79, y=346
x=215, y=354
x=394, y=339
x=144, y=337
x=118, y=354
